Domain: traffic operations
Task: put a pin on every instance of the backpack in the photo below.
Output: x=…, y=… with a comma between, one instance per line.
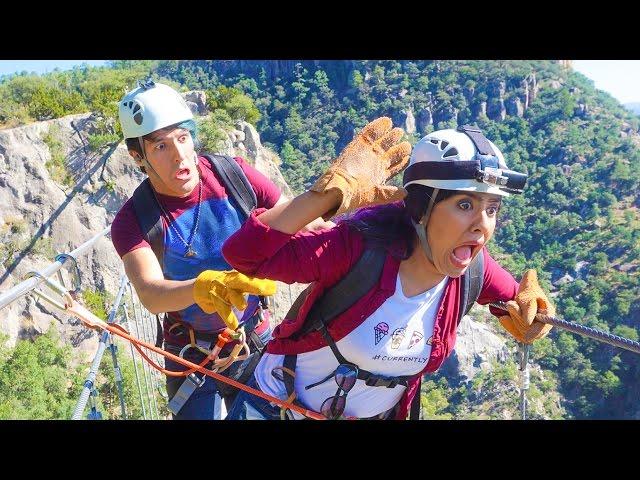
x=149, y=216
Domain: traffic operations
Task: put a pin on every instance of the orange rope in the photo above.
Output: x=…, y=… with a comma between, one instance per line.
x=92, y=321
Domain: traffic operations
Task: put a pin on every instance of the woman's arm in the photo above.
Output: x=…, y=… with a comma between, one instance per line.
x=291, y=216
x=258, y=250
x=266, y=247
x=316, y=224
x=498, y=285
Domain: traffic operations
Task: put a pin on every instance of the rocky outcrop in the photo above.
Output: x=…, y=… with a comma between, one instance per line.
x=54, y=218
x=444, y=115
x=197, y=98
x=424, y=118
x=496, y=110
x=408, y=122
x=480, y=109
x=40, y=217
x=248, y=144
x=514, y=107
x=476, y=347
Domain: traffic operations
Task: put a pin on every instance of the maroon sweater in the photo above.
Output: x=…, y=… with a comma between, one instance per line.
x=326, y=256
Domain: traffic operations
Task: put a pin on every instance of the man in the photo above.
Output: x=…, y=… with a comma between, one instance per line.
x=197, y=213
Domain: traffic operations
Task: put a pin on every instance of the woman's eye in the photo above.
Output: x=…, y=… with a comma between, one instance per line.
x=465, y=205
x=160, y=146
x=492, y=211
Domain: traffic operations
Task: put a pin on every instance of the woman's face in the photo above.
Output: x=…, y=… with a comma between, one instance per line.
x=172, y=155
x=459, y=227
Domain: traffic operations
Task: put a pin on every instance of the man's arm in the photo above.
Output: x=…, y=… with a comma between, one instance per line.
x=155, y=292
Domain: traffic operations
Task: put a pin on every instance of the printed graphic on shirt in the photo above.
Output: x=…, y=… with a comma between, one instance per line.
x=415, y=338
x=397, y=336
x=429, y=341
x=391, y=358
x=381, y=330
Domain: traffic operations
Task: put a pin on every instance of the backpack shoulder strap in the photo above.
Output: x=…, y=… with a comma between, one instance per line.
x=414, y=411
x=471, y=285
x=351, y=288
x=235, y=181
x=148, y=214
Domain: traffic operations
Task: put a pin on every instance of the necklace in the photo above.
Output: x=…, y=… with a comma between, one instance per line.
x=190, y=251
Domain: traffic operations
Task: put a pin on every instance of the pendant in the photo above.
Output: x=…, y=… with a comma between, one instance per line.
x=190, y=252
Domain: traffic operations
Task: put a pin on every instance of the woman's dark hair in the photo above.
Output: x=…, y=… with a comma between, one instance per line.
x=134, y=143
x=418, y=197
x=390, y=226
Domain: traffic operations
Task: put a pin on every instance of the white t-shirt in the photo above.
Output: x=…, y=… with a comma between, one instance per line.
x=395, y=340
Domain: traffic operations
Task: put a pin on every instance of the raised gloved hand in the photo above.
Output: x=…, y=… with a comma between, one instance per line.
x=529, y=301
x=362, y=168
x=219, y=291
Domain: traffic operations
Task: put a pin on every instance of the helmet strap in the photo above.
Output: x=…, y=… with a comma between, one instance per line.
x=479, y=140
x=421, y=226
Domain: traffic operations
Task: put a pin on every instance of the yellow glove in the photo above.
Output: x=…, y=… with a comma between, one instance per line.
x=362, y=168
x=219, y=291
x=529, y=301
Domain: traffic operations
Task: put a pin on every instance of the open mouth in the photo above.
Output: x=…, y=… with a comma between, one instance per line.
x=183, y=174
x=461, y=256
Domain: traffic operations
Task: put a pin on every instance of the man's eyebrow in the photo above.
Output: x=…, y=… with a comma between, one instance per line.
x=157, y=136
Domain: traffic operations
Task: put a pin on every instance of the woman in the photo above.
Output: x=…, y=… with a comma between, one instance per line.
x=405, y=325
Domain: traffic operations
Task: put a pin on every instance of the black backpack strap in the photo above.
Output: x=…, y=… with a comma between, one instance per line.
x=159, y=336
x=148, y=213
x=235, y=182
x=472, y=282
x=414, y=413
x=353, y=286
x=290, y=363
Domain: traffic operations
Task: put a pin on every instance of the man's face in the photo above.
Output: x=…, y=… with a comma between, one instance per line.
x=173, y=159
x=458, y=229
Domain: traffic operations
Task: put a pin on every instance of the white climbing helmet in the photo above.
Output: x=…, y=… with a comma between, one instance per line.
x=150, y=107
x=461, y=159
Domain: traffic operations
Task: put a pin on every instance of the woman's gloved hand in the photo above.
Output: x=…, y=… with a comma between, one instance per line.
x=529, y=301
x=363, y=167
x=219, y=291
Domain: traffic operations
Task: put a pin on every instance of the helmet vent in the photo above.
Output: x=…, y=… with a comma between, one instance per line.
x=443, y=145
x=452, y=152
x=138, y=118
x=434, y=141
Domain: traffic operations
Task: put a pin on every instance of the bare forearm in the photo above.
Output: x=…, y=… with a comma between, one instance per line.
x=166, y=295
x=292, y=216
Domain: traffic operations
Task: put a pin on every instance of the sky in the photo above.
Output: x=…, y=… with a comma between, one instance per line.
x=621, y=78
x=42, y=66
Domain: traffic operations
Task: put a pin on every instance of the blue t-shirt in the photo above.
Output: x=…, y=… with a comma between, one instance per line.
x=219, y=219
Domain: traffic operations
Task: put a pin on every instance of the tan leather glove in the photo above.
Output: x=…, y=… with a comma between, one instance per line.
x=362, y=168
x=219, y=291
x=529, y=301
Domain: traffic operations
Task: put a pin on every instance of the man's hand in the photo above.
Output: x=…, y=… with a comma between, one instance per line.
x=219, y=291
